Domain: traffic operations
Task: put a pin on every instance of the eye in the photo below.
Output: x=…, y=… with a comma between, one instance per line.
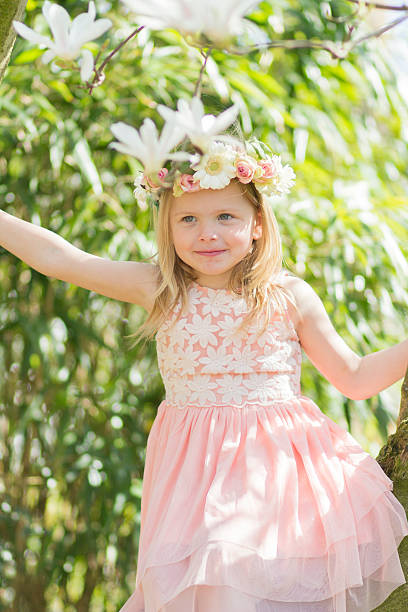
x=224, y=216
x=188, y=218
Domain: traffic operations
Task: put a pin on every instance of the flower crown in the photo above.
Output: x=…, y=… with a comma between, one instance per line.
x=208, y=159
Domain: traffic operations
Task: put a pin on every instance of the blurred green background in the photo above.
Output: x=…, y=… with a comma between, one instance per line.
x=76, y=401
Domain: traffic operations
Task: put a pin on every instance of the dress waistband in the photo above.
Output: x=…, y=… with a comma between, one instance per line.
x=243, y=405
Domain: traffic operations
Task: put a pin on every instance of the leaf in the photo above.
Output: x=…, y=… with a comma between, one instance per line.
x=27, y=56
x=62, y=89
x=83, y=156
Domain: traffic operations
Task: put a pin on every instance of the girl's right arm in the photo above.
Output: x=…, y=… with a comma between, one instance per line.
x=52, y=255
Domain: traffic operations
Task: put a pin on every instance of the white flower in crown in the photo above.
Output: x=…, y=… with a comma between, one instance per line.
x=271, y=178
x=69, y=36
x=199, y=127
x=148, y=147
x=217, y=167
x=218, y=20
x=286, y=180
x=140, y=193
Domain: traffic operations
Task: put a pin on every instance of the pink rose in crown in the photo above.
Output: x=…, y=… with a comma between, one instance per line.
x=270, y=168
x=246, y=167
x=162, y=174
x=156, y=181
x=188, y=184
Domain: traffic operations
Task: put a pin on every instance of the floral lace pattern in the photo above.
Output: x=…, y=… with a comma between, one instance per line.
x=205, y=360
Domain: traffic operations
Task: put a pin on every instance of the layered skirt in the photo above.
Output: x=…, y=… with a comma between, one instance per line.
x=263, y=509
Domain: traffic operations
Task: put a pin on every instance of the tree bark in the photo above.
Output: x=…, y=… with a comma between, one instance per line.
x=9, y=10
x=393, y=458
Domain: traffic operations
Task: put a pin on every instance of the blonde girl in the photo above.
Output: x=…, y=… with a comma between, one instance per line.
x=253, y=499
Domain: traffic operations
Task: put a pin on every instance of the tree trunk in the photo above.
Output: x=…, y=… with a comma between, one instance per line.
x=393, y=458
x=9, y=10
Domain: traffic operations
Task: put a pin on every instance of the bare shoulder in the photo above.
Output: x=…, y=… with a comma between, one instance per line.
x=147, y=276
x=302, y=295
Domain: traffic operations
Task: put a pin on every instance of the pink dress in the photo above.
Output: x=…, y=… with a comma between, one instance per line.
x=253, y=499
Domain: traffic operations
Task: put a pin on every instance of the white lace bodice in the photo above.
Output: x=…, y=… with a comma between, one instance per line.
x=204, y=361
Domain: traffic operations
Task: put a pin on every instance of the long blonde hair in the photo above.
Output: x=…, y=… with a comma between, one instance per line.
x=255, y=277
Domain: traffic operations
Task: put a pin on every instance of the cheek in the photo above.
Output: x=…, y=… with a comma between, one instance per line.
x=180, y=238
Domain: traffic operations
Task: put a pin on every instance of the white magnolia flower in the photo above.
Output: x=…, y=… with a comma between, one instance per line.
x=200, y=128
x=69, y=36
x=217, y=167
x=218, y=20
x=146, y=145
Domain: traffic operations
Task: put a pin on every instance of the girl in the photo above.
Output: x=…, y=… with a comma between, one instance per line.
x=253, y=499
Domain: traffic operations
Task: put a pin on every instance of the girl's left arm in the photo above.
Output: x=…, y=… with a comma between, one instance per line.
x=354, y=376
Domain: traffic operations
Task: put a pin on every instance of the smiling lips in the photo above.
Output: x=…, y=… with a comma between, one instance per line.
x=210, y=253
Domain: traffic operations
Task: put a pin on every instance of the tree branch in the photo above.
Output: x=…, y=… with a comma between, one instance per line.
x=9, y=10
x=403, y=413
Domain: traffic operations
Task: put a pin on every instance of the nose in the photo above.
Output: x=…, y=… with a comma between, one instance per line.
x=208, y=232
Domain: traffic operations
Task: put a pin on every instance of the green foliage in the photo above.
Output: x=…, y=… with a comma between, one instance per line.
x=76, y=403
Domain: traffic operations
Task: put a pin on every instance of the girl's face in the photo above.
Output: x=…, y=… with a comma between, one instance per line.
x=213, y=230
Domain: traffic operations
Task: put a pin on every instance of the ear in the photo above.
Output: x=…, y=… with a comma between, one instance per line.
x=257, y=231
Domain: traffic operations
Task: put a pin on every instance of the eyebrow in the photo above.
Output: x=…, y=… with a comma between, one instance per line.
x=219, y=210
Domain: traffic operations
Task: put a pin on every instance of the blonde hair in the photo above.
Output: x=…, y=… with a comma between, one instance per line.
x=255, y=277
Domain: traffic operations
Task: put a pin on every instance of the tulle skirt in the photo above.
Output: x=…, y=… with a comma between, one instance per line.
x=263, y=509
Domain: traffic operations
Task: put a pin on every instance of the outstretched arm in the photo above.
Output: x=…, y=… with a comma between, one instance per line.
x=52, y=255
x=354, y=376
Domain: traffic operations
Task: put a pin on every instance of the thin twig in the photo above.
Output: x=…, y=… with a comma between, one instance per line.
x=385, y=7
x=200, y=76
x=97, y=79
x=379, y=32
x=337, y=50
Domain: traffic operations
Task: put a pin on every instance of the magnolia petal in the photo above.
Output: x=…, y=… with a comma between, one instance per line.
x=183, y=116
x=123, y=148
x=46, y=9
x=86, y=63
x=167, y=113
x=180, y=156
x=78, y=33
x=59, y=22
x=153, y=158
x=148, y=132
x=155, y=14
x=31, y=35
x=83, y=30
x=207, y=123
x=171, y=136
x=225, y=119
x=129, y=138
x=48, y=56
x=92, y=10
x=197, y=109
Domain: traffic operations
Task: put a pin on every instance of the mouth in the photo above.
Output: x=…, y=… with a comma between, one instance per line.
x=210, y=253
